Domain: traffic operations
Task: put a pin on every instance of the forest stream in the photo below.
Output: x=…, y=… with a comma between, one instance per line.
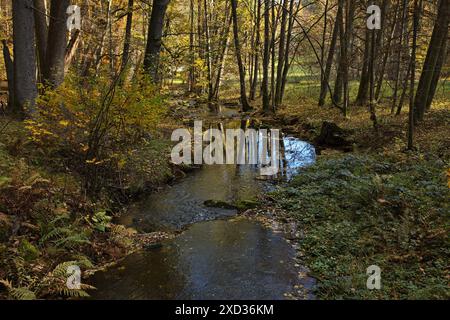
x=219, y=255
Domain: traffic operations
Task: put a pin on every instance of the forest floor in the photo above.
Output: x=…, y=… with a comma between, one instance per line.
x=374, y=204
x=48, y=223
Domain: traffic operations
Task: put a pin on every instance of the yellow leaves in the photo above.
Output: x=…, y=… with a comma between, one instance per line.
x=448, y=177
x=121, y=163
x=64, y=123
x=94, y=161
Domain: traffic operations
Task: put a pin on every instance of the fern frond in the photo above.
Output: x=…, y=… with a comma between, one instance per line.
x=6, y=283
x=55, y=233
x=22, y=294
x=72, y=241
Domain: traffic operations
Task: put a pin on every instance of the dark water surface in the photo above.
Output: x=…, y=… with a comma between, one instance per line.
x=212, y=259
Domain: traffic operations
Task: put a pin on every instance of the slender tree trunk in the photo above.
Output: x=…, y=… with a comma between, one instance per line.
x=431, y=64
x=404, y=90
x=437, y=72
x=324, y=39
x=399, y=54
x=326, y=78
x=71, y=49
x=287, y=64
x=9, y=66
x=127, y=40
x=350, y=9
x=281, y=50
x=208, y=52
x=371, y=71
x=266, y=57
x=272, y=50
x=412, y=80
x=24, y=56
x=154, y=38
x=191, y=79
x=40, y=17
x=363, y=90
x=254, y=83
x=245, y=105
x=221, y=60
x=381, y=70
x=57, y=43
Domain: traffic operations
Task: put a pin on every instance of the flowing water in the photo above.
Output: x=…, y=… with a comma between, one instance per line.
x=218, y=256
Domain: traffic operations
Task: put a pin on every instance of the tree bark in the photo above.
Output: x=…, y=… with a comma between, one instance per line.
x=412, y=80
x=40, y=16
x=155, y=31
x=57, y=44
x=331, y=52
x=287, y=63
x=431, y=64
x=127, y=40
x=281, y=50
x=9, y=66
x=245, y=105
x=363, y=90
x=24, y=56
x=254, y=83
x=266, y=57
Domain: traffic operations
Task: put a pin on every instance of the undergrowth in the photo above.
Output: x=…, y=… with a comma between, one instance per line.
x=359, y=210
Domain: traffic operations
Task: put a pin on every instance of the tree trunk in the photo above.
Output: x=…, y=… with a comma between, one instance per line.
x=221, y=60
x=399, y=55
x=155, y=31
x=57, y=43
x=245, y=106
x=381, y=70
x=430, y=66
x=287, y=63
x=266, y=57
x=24, y=56
x=127, y=40
x=254, y=83
x=412, y=80
x=437, y=72
x=71, y=49
x=9, y=66
x=363, y=90
x=208, y=53
x=326, y=77
x=191, y=76
x=281, y=50
x=40, y=16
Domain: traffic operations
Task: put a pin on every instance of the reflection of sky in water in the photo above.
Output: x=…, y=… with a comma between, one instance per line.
x=297, y=154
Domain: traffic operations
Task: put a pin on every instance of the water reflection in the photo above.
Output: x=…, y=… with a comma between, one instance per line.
x=216, y=259
x=212, y=260
x=183, y=203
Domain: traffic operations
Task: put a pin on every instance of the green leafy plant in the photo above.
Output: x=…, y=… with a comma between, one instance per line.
x=101, y=220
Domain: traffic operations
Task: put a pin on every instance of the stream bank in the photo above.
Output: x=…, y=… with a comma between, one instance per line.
x=217, y=254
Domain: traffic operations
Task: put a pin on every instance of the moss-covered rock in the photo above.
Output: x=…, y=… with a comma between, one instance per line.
x=243, y=205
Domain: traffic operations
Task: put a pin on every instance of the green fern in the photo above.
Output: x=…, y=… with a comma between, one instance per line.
x=56, y=282
x=20, y=293
x=72, y=241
